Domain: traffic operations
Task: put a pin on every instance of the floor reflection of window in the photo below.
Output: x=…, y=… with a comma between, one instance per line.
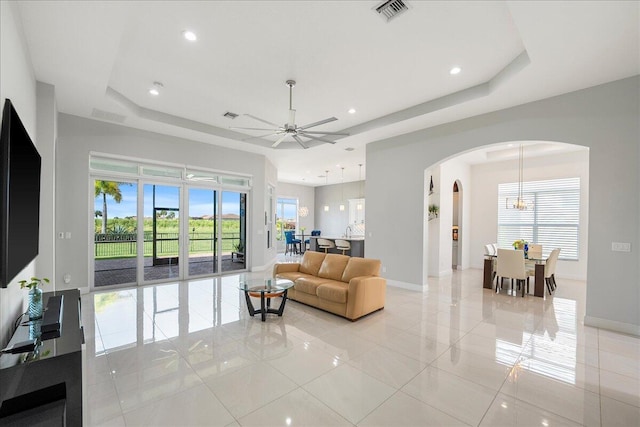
x=115, y=312
x=162, y=304
x=553, y=353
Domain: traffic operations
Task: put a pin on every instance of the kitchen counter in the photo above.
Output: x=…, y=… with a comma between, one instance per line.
x=357, y=245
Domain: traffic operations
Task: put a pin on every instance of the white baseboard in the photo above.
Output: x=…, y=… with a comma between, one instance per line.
x=612, y=325
x=405, y=285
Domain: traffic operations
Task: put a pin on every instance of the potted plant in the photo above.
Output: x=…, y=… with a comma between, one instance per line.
x=433, y=211
x=35, y=296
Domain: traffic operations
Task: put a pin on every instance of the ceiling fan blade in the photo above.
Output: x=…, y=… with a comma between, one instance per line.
x=262, y=136
x=321, y=122
x=262, y=120
x=273, y=130
x=275, y=144
x=292, y=118
x=301, y=142
x=317, y=138
x=325, y=133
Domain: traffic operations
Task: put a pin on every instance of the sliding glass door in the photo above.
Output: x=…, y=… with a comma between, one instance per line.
x=202, y=232
x=161, y=223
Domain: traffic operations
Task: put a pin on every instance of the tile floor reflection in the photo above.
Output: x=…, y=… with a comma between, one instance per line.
x=188, y=353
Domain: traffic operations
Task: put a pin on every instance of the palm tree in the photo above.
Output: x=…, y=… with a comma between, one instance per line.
x=107, y=188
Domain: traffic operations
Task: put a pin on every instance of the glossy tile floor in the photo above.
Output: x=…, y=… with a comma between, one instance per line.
x=189, y=354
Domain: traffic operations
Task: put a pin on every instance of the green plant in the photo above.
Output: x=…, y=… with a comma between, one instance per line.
x=239, y=247
x=34, y=282
x=434, y=209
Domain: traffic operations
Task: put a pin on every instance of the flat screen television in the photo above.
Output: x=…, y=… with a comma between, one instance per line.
x=19, y=196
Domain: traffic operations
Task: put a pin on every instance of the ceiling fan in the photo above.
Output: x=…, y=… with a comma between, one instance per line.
x=291, y=129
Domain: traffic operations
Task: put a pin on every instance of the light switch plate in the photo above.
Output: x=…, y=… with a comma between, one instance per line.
x=620, y=247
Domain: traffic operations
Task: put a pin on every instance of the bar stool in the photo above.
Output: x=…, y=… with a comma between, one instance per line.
x=343, y=245
x=326, y=244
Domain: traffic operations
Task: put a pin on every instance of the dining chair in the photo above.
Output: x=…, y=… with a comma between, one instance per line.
x=326, y=244
x=343, y=245
x=307, y=242
x=488, y=250
x=535, y=251
x=550, y=270
x=292, y=244
x=510, y=264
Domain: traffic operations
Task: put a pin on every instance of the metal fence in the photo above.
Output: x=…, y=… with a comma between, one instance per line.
x=125, y=244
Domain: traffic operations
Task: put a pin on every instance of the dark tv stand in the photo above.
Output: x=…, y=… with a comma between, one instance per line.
x=44, y=387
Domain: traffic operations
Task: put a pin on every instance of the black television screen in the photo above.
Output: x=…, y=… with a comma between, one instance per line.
x=19, y=196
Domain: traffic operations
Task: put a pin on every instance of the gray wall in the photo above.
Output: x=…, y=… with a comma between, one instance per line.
x=603, y=118
x=334, y=222
x=77, y=137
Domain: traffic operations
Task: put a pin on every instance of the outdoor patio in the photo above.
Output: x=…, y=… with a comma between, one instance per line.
x=123, y=270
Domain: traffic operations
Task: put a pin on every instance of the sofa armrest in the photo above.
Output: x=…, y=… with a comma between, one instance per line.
x=285, y=268
x=365, y=295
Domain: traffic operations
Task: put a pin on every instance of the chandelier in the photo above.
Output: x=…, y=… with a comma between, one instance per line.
x=520, y=203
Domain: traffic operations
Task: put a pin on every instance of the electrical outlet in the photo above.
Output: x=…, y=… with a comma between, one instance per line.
x=620, y=247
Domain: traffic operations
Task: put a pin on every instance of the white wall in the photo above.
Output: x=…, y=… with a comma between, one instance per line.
x=486, y=177
x=17, y=82
x=334, y=222
x=603, y=118
x=77, y=137
x=47, y=135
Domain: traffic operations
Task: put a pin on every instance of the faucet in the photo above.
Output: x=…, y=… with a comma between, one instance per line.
x=347, y=232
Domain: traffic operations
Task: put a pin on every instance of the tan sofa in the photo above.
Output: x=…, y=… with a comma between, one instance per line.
x=347, y=286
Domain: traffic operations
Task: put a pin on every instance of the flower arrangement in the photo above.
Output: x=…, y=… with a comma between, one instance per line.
x=520, y=244
x=302, y=229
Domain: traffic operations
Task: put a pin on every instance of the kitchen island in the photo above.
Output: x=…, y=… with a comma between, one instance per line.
x=357, y=245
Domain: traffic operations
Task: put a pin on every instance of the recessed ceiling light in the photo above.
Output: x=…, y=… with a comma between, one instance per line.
x=455, y=70
x=352, y=111
x=189, y=35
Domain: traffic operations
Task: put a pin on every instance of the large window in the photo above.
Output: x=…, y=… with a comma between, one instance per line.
x=286, y=216
x=554, y=222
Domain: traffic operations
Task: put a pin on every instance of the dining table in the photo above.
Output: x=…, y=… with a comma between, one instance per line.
x=537, y=263
x=303, y=245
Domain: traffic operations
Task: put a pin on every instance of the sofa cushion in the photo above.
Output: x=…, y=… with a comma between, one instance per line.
x=357, y=267
x=311, y=262
x=290, y=275
x=333, y=266
x=308, y=284
x=333, y=291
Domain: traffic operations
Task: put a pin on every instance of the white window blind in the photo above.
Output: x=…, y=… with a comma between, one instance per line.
x=553, y=223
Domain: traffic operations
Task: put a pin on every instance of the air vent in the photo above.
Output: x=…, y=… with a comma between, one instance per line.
x=349, y=149
x=230, y=115
x=391, y=8
x=105, y=115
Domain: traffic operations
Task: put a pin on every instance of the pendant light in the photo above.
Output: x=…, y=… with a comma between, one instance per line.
x=520, y=203
x=342, y=191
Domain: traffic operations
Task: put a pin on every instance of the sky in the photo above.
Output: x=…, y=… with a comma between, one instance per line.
x=200, y=201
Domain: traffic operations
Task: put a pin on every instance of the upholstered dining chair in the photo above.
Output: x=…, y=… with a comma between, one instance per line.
x=535, y=251
x=292, y=244
x=307, y=242
x=510, y=264
x=326, y=244
x=550, y=270
x=343, y=245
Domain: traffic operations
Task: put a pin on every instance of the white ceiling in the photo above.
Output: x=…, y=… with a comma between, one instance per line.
x=103, y=57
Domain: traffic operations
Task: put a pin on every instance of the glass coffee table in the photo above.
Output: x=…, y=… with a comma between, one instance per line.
x=265, y=289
